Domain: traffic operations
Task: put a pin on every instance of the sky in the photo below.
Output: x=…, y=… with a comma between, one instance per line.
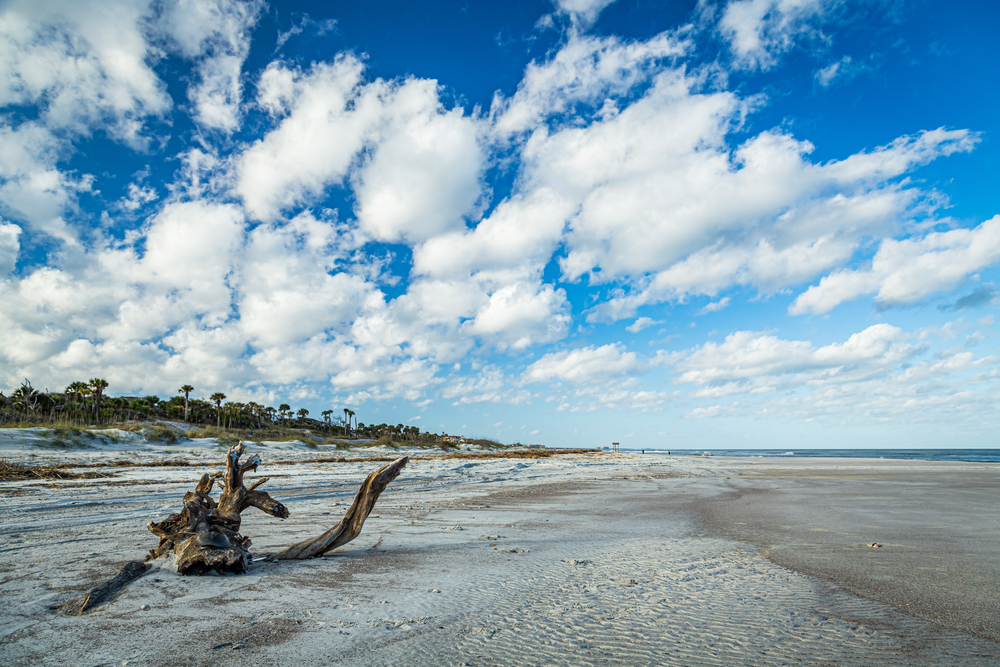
x=711, y=224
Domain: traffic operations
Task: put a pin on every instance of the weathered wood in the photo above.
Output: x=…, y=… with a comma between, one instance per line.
x=205, y=536
x=99, y=594
x=354, y=519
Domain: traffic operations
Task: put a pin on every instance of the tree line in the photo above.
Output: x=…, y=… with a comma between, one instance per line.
x=86, y=403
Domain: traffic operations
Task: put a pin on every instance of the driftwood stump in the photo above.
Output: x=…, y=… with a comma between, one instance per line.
x=205, y=535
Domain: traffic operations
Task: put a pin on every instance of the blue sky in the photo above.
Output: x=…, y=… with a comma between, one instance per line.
x=755, y=223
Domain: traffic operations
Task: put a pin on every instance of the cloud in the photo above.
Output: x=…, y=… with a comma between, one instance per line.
x=9, y=247
x=583, y=12
x=32, y=188
x=760, y=31
x=491, y=276
x=842, y=70
x=716, y=306
x=706, y=413
x=195, y=296
x=423, y=176
x=676, y=212
x=517, y=238
x=489, y=385
x=290, y=284
x=592, y=399
x=984, y=295
x=874, y=375
x=305, y=21
x=216, y=34
x=747, y=355
x=138, y=196
x=520, y=315
x=585, y=70
x=908, y=270
x=85, y=64
x=325, y=117
x=423, y=165
x=70, y=69
x=588, y=364
x=641, y=323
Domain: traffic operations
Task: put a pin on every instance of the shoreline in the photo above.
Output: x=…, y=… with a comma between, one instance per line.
x=935, y=523
x=574, y=559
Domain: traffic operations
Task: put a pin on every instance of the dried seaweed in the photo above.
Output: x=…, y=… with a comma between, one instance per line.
x=15, y=472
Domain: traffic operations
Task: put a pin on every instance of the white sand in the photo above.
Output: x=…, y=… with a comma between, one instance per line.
x=595, y=562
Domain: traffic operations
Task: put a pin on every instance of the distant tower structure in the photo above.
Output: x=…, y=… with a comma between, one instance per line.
x=614, y=447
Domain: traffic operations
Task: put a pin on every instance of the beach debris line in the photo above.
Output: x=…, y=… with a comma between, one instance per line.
x=205, y=535
x=15, y=472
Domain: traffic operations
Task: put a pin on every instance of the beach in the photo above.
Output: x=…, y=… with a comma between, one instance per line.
x=581, y=559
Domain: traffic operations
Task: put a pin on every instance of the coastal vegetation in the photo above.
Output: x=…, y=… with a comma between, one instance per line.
x=85, y=405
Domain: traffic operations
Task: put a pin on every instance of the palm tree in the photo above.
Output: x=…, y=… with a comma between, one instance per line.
x=217, y=398
x=97, y=385
x=238, y=409
x=303, y=413
x=77, y=390
x=326, y=417
x=252, y=410
x=284, y=409
x=186, y=390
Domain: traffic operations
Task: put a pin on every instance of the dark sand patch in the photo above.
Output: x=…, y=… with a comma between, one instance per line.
x=938, y=527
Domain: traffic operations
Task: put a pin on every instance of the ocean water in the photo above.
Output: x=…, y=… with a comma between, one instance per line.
x=914, y=454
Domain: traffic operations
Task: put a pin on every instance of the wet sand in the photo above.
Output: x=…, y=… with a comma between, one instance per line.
x=938, y=525
x=576, y=560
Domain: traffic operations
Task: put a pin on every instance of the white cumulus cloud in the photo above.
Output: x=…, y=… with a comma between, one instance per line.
x=215, y=34
x=586, y=364
x=908, y=270
x=423, y=176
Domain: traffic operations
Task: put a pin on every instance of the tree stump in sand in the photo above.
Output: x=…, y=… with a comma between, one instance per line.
x=205, y=535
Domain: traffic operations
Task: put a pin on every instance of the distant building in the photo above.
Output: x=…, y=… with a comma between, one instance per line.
x=456, y=439
x=535, y=446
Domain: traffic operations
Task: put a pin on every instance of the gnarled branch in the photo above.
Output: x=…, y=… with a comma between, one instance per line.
x=350, y=526
x=205, y=535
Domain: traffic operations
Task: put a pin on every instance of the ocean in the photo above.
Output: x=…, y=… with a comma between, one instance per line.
x=913, y=454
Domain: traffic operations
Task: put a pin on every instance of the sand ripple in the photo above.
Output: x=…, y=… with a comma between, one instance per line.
x=724, y=605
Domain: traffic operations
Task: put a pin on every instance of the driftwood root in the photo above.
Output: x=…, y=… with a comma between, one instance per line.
x=99, y=594
x=205, y=535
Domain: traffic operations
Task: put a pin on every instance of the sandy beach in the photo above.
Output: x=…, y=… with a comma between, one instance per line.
x=585, y=559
